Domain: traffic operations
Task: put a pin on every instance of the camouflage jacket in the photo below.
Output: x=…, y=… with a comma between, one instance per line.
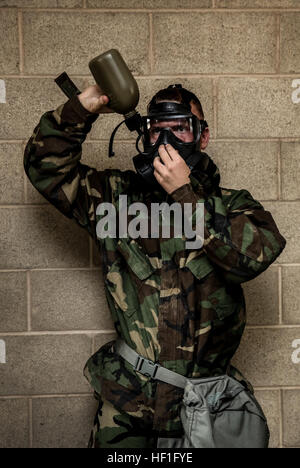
x=182, y=308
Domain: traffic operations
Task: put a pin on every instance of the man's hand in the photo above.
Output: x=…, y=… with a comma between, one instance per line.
x=93, y=100
x=172, y=172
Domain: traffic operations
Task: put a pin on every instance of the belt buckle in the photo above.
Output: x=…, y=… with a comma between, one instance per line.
x=146, y=367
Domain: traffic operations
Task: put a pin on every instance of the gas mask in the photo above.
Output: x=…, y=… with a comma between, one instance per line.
x=168, y=123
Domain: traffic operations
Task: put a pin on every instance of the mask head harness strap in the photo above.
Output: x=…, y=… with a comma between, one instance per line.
x=186, y=97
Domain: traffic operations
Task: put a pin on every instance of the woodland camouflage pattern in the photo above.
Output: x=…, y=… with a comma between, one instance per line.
x=182, y=308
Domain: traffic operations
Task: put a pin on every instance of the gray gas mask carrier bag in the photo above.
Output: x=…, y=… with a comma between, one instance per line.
x=216, y=412
x=219, y=412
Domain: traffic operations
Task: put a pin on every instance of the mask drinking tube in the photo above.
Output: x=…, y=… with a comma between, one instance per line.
x=133, y=122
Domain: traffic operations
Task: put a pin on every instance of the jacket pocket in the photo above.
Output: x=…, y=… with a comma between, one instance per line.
x=119, y=288
x=137, y=260
x=126, y=276
x=221, y=300
x=199, y=265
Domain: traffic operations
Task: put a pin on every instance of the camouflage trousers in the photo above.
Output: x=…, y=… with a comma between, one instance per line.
x=115, y=428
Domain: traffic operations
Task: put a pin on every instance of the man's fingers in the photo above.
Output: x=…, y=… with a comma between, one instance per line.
x=160, y=168
x=157, y=176
x=165, y=156
x=172, y=152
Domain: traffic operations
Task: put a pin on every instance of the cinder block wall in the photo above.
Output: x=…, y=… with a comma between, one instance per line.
x=243, y=59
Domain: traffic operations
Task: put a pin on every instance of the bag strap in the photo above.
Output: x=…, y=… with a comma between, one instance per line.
x=148, y=367
x=154, y=370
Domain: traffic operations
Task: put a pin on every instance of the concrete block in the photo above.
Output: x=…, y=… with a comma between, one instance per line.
x=290, y=166
x=287, y=219
x=41, y=238
x=250, y=165
x=289, y=42
x=66, y=42
x=9, y=51
x=63, y=422
x=45, y=364
x=13, y=300
x=69, y=300
x=248, y=108
x=214, y=43
x=290, y=294
x=11, y=174
x=14, y=423
x=262, y=301
x=291, y=418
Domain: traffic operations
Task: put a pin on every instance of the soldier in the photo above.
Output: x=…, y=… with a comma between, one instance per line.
x=181, y=309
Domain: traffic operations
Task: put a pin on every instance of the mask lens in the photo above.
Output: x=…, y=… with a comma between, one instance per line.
x=182, y=128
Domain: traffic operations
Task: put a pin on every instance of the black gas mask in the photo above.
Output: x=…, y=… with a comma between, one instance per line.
x=168, y=123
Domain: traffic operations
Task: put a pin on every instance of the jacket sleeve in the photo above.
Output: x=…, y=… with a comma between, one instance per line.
x=52, y=163
x=240, y=236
